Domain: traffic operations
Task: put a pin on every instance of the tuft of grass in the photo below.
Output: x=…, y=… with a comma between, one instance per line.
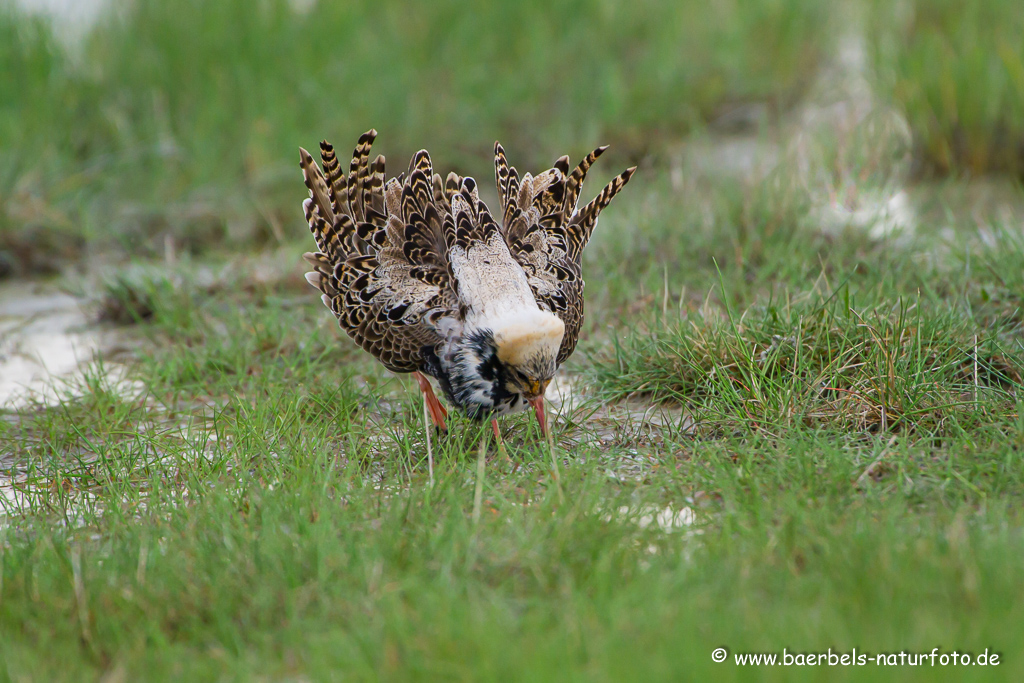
x=846, y=332
x=957, y=71
x=127, y=299
x=817, y=361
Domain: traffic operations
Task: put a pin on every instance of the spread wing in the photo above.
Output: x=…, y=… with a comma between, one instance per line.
x=382, y=264
x=546, y=233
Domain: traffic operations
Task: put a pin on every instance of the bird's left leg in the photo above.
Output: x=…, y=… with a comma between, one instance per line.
x=434, y=407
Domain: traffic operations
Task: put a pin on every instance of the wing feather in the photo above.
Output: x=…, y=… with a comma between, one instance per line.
x=391, y=253
x=546, y=234
x=382, y=262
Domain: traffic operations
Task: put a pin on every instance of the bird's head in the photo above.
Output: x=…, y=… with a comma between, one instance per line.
x=527, y=346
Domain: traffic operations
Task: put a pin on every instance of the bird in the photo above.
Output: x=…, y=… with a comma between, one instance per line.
x=423, y=276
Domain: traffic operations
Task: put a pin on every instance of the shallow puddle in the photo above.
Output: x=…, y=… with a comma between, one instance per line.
x=630, y=423
x=44, y=337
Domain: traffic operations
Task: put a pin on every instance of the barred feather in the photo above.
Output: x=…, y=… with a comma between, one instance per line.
x=546, y=234
x=381, y=264
x=421, y=275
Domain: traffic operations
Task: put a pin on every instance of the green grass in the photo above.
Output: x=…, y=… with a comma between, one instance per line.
x=240, y=494
x=756, y=319
x=886, y=350
x=957, y=71
x=295, y=544
x=257, y=505
x=895, y=366
x=325, y=577
x=41, y=107
x=184, y=119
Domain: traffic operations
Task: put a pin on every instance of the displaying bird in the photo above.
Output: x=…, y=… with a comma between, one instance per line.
x=422, y=275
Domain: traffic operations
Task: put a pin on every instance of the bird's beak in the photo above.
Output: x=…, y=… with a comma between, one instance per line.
x=538, y=408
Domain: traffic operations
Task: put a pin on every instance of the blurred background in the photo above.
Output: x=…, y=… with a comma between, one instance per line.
x=126, y=127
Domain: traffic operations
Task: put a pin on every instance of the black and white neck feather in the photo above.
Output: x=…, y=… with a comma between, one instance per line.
x=499, y=365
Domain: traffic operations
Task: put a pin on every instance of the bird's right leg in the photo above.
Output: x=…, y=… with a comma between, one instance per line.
x=434, y=407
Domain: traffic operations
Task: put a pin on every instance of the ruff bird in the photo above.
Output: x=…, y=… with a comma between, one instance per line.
x=424, y=277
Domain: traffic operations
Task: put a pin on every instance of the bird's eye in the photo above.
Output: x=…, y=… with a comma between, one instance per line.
x=521, y=379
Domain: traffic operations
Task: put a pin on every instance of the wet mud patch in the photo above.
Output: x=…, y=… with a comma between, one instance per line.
x=45, y=337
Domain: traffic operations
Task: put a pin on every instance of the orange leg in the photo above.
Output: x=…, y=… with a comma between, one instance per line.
x=434, y=407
